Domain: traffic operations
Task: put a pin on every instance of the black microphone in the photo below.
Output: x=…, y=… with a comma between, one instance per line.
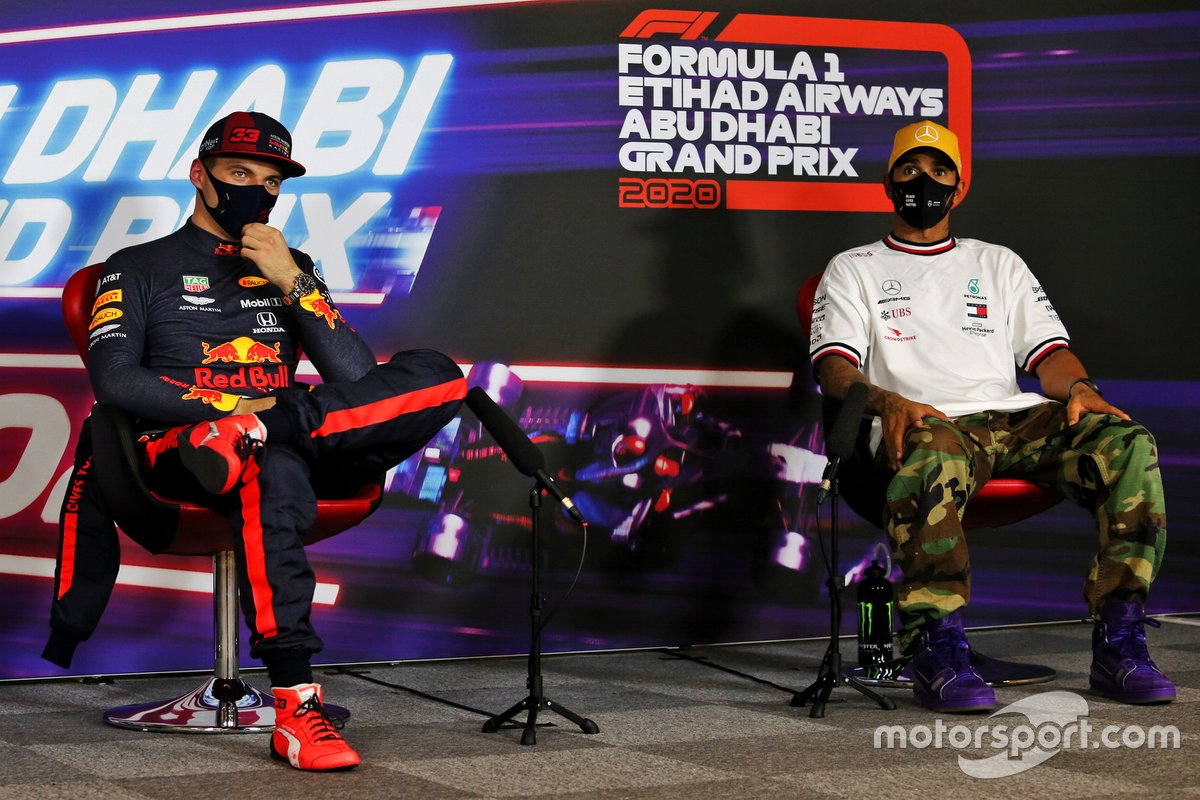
x=523, y=453
x=839, y=444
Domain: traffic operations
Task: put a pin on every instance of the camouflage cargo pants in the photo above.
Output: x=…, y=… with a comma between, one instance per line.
x=1103, y=463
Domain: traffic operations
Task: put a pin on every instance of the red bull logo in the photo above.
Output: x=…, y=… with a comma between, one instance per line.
x=317, y=304
x=209, y=396
x=242, y=350
x=264, y=379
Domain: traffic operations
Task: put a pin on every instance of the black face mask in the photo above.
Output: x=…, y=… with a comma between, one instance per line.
x=238, y=206
x=921, y=202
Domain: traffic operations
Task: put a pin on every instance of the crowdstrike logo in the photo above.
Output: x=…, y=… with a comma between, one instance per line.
x=1054, y=721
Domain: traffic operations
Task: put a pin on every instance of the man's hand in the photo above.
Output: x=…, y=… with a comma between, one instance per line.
x=897, y=414
x=252, y=405
x=266, y=247
x=1059, y=375
x=1086, y=400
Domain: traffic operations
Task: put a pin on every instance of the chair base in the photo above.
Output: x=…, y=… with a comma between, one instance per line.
x=199, y=711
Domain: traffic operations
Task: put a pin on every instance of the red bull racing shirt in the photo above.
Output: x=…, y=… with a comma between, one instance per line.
x=183, y=327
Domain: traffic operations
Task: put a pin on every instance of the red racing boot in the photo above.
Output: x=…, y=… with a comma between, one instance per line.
x=304, y=735
x=216, y=451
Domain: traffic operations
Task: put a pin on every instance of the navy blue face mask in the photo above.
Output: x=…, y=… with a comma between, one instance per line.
x=922, y=202
x=238, y=206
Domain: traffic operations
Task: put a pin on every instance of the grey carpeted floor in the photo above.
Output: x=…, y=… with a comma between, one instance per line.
x=669, y=728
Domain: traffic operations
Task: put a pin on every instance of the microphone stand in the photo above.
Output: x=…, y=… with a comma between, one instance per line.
x=830, y=676
x=536, y=700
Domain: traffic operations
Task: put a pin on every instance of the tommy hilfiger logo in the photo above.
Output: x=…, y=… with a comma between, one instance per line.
x=977, y=310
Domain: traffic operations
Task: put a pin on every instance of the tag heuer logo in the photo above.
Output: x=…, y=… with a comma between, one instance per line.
x=195, y=283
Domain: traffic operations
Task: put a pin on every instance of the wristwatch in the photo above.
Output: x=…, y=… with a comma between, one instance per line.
x=305, y=285
x=1088, y=382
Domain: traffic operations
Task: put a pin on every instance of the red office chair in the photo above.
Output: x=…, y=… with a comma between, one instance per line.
x=224, y=703
x=1001, y=501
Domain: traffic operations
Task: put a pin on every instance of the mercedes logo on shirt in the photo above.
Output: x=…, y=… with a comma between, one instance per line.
x=891, y=287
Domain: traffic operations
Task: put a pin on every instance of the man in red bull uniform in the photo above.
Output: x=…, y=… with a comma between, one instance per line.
x=201, y=332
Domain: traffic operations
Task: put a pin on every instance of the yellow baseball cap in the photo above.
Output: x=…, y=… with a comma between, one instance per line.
x=926, y=134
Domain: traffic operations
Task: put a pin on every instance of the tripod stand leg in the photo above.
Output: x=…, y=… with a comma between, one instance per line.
x=493, y=724
x=818, y=692
x=886, y=703
x=533, y=705
x=529, y=735
x=585, y=724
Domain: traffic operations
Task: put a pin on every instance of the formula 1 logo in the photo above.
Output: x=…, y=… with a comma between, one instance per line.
x=686, y=24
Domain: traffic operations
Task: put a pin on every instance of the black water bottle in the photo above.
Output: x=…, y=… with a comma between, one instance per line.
x=876, y=603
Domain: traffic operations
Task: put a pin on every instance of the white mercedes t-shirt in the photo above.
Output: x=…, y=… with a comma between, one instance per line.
x=944, y=324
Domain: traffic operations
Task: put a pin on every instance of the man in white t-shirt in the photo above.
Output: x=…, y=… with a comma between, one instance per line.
x=935, y=327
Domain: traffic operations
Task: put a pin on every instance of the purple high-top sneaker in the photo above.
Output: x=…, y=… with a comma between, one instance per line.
x=943, y=678
x=1121, y=665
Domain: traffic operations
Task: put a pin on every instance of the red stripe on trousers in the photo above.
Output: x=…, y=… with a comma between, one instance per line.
x=256, y=561
x=391, y=407
x=67, y=573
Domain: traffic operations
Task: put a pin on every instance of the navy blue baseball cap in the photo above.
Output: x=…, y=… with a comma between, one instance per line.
x=250, y=133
